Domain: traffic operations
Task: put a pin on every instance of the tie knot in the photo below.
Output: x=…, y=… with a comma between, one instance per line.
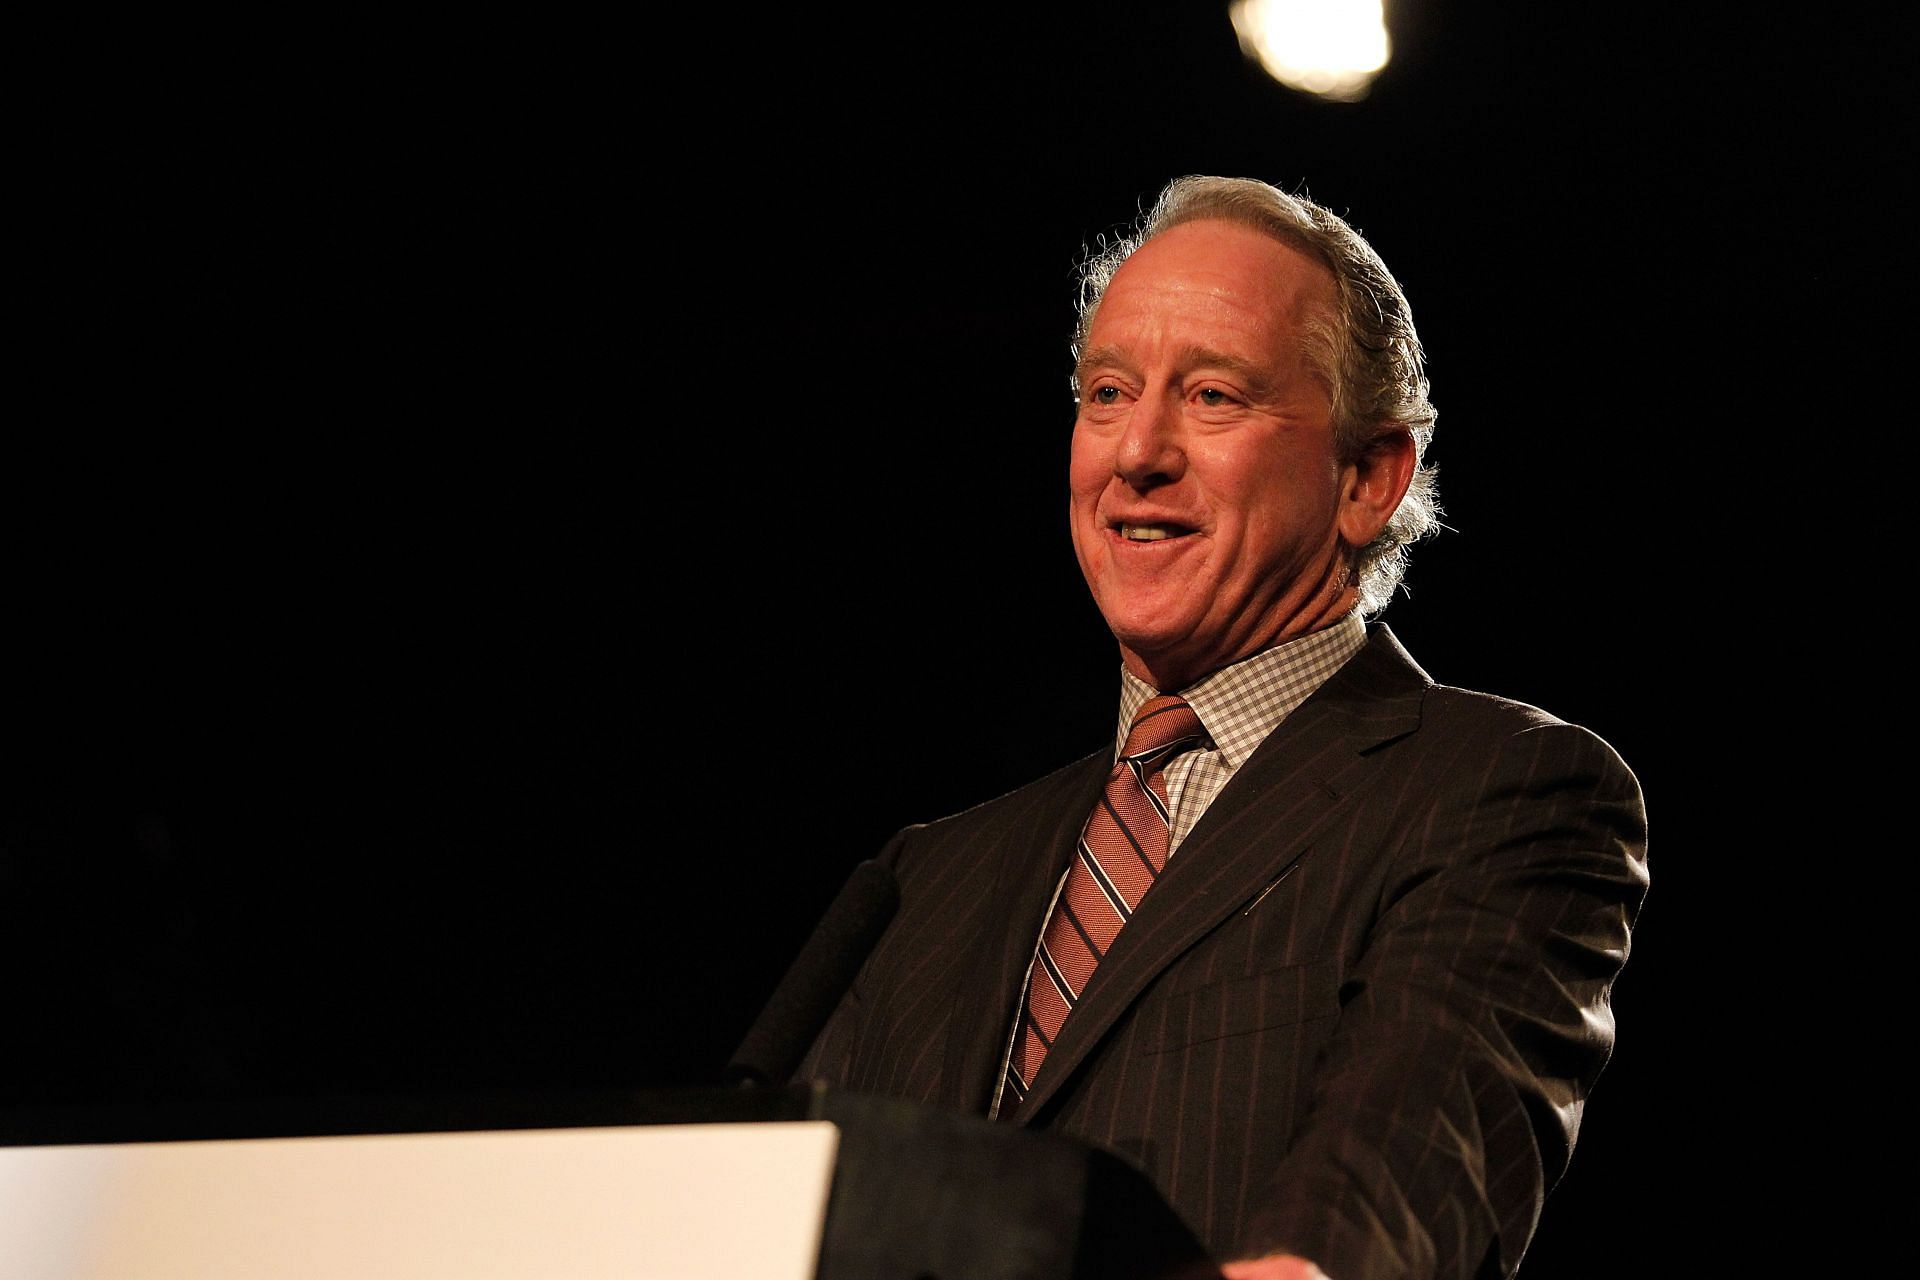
x=1162, y=722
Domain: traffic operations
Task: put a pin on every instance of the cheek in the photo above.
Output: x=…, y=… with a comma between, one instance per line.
x=1087, y=468
x=1287, y=521
x=1273, y=498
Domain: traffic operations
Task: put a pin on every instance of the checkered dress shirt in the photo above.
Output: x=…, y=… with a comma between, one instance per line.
x=1240, y=705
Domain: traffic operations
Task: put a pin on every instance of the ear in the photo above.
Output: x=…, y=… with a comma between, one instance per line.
x=1372, y=485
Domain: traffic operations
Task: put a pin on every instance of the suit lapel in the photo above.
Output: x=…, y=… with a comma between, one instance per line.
x=1296, y=782
x=1031, y=848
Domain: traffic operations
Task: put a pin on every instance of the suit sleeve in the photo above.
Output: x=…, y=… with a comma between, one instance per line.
x=1474, y=1022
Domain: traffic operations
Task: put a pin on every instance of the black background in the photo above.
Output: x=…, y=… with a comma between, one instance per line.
x=498, y=521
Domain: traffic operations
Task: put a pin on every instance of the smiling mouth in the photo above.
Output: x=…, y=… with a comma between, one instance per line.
x=1152, y=532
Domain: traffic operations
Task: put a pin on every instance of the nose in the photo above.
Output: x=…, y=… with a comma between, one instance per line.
x=1149, y=453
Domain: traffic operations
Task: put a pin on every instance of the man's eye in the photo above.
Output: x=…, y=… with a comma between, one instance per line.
x=1213, y=397
x=1106, y=395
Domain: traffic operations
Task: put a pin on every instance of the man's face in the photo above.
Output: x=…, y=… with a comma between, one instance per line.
x=1206, y=496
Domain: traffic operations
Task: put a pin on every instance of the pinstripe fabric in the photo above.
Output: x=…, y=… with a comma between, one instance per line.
x=1360, y=1012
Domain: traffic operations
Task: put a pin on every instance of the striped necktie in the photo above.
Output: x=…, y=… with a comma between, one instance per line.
x=1121, y=853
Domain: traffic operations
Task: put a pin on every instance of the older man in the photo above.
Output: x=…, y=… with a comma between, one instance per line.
x=1324, y=946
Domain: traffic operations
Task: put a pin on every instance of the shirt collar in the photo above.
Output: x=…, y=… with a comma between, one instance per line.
x=1239, y=705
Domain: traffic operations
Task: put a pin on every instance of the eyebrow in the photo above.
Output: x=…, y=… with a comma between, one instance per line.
x=1258, y=381
x=1098, y=357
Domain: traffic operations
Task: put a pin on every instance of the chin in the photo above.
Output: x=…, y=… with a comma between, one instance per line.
x=1141, y=636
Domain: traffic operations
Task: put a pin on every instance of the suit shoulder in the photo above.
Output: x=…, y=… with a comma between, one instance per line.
x=1020, y=808
x=1450, y=706
x=1385, y=670
x=1040, y=792
x=1501, y=722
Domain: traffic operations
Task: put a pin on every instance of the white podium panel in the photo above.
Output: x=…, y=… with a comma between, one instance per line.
x=650, y=1202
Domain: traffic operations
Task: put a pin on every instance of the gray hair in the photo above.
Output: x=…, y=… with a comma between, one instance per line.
x=1366, y=352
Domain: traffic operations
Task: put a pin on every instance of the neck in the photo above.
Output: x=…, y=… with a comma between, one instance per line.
x=1332, y=599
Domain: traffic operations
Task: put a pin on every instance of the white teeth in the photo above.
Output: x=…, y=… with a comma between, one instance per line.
x=1143, y=532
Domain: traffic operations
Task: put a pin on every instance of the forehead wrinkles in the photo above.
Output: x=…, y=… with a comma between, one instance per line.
x=1192, y=316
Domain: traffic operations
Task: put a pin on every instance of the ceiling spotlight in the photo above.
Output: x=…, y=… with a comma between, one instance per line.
x=1330, y=48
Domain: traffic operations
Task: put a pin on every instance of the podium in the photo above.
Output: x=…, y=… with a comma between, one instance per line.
x=646, y=1186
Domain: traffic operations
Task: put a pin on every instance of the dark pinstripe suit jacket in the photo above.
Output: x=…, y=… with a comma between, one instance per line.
x=1357, y=1017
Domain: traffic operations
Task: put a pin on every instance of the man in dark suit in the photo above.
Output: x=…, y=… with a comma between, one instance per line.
x=1324, y=946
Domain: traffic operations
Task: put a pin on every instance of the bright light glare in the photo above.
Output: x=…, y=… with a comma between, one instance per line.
x=1333, y=48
